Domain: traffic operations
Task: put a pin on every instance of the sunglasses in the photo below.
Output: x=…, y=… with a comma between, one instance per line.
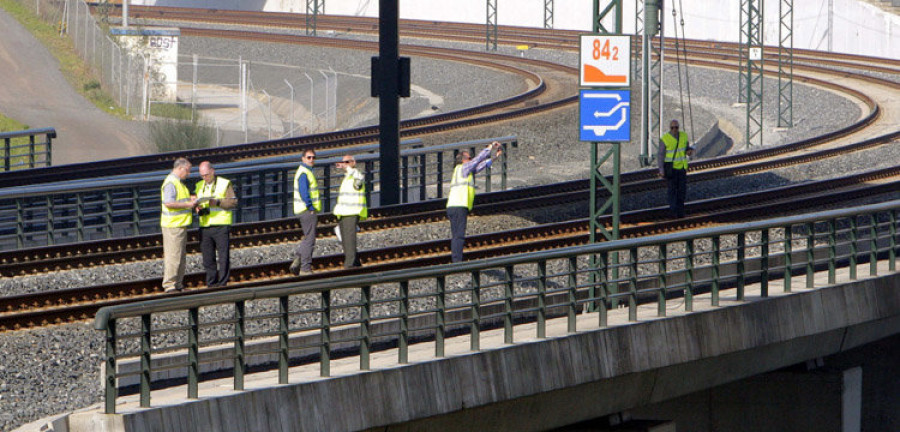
x=309, y=157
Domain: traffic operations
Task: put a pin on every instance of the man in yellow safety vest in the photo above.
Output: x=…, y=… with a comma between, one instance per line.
x=350, y=209
x=462, y=195
x=673, y=154
x=177, y=205
x=216, y=201
x=306, y=207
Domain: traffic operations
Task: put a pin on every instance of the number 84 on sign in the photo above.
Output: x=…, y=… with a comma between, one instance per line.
x=605, y=61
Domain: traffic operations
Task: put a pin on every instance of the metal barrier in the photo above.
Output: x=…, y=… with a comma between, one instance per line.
x=19, y=153
x=129, y=205
x=353, y=312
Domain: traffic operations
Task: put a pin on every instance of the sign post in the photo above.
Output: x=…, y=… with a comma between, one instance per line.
x=605, y=117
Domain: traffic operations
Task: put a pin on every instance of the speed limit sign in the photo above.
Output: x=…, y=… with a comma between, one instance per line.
x=605, y=61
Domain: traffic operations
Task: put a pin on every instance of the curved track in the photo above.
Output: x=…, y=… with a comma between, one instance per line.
x=878, y=127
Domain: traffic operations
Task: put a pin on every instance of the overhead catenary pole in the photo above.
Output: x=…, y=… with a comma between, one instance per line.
x=786, y=64
x=491, y=26
x=753, y=28
x=388, y=88
x=548, y=14
x=652, y=56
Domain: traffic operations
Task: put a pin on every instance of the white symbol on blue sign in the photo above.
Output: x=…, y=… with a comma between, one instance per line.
x=605, y=115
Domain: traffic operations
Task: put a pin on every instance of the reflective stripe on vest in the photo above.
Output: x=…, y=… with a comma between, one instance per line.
x=350, y=201
x=175, y=218
x=299, y=205
x=675, y=151
x=462, y=190
x=217, y=215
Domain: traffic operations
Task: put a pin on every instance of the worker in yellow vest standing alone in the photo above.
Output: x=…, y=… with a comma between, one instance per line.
x=673, y=154
x=216, y=200
x=177, y=207
x=306, y=206
x=462, y=195
x=350, y=209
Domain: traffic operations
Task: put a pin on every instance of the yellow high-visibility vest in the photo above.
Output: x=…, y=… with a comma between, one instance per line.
x=217, y=215
x=350, y=201
x=462, y=190
x=175, y=218
x=299, y=205
x=675, y=151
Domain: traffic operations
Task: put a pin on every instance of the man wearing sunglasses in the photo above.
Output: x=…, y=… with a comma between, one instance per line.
x=306, y=207
x=673, y=155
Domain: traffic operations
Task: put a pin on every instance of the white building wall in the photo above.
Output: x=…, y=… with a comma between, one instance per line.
x=858, y=27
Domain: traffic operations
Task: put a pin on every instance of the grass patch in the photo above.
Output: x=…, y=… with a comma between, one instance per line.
x=62, y=48
x=171, y=111
x=173, y=135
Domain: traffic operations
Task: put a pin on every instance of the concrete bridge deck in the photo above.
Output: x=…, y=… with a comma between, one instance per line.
x=538, y=384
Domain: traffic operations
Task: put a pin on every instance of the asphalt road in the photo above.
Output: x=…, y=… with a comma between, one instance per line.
x=34, y=91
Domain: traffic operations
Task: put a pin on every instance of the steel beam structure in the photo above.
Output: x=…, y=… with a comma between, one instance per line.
x=652, y=57
x=742, y=53
x=548, y=14
x=490, y=38
x=313, y=9
x=389, y=99
x=753, y=90
x=786, y=64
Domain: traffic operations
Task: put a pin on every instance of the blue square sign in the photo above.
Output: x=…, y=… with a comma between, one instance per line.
x=605, y=115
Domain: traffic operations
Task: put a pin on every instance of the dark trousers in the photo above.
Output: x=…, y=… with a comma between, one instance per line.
x=457, y=216
x=214, y=244
x=677, y=183
x=348, y=240
x=308, y=221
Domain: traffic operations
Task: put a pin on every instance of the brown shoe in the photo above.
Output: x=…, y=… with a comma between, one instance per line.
x=295, y=266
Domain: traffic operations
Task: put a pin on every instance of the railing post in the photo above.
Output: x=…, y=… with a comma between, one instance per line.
x=788, y=257
x=832, y=251
x=632, y=284
x=689, y=276
x=326, y=187
x=283, y=340
x=440, y=174
x=475, y=329
x=873, y=245
x=714, y=290
x=193, y=352
x=853, y=247
x=365, y=342
x=603, y=305
x=764, y=263
x=508, y=306
x=7, y=154
x=145, y=360
x=261, y=211
x=135, y=211
x=108, y=217
x=504, y=168
x=79, y=216
x=741, y=246
x=111, y=391
x=542, y=300
x=573, y=295
x=440, y=316
x=50, y=228
x=20, y=224
x=404, y=179
x=892, y=254
x=810, y=254
x=661, y=267
x=240, y=362
x=31, y=151
x=325, y=350
x=403, y=340
x=423, y=177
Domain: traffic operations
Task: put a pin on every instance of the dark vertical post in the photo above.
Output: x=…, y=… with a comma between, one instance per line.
x=389, y=99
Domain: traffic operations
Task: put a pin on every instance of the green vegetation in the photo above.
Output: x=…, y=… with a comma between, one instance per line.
x=71, y=65
x=171, y=110
x=171, y=135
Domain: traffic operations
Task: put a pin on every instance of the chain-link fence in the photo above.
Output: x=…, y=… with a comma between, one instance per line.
x=244, y=101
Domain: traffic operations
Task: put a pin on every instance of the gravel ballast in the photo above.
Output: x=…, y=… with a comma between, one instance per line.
x=51, y=370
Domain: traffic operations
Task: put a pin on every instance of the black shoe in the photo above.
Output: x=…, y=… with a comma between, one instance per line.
x=295, y=266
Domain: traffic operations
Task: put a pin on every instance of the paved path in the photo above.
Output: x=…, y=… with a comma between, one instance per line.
x=33, y=91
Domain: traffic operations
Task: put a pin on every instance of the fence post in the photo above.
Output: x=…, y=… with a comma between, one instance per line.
x=365, y=343
x=403, y=338
x=440, y=316
x=110, y=367
x=193, y=351
x=145, y=360
x=240, y=363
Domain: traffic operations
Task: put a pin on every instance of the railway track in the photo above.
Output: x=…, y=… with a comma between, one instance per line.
x=74, y=304
x=67, y=305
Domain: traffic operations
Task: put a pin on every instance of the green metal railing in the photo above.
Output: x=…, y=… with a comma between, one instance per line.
x=311, y=319
x=19, y=152
x=59, y=214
